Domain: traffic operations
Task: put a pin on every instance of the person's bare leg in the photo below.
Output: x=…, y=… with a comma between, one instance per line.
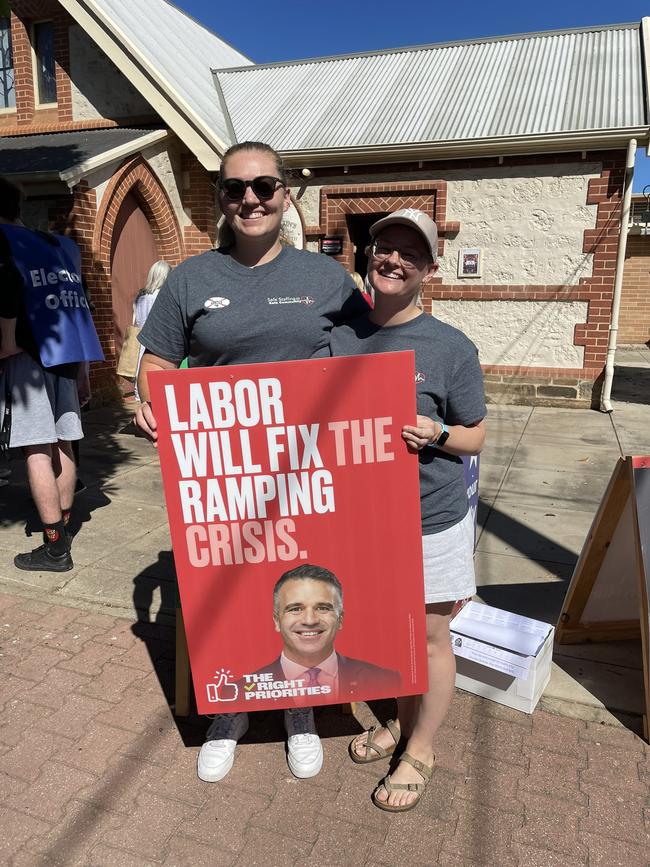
x=442, y=675
x=43, y=483
x=432, y=707
x=65, y=472
x=407, y=709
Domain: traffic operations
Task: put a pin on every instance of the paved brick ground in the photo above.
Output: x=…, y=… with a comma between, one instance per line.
x=94, y=770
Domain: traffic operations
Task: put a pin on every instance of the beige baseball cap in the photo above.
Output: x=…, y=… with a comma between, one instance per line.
x=414, y=219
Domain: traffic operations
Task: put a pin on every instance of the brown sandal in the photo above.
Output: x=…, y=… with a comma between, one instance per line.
x=425, y=772
x=371, y=745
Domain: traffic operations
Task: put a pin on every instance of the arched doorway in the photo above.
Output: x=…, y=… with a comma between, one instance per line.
x=133, y=252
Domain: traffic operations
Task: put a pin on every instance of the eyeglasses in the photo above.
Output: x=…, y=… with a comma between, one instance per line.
x=264, y=187
x=408, y=258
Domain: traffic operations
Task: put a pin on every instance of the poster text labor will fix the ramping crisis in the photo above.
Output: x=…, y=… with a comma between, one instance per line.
x=294, y=515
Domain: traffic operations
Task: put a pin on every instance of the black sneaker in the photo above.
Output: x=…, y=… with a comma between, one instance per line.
x=41, y=559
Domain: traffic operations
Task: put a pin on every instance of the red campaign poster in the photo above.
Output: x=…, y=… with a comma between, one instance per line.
x=295, y=467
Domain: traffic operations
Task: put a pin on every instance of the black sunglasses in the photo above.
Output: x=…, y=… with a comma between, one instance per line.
x=264, y=187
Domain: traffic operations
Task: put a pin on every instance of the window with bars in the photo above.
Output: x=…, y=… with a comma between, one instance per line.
x=640, y=212
x=45, y=67
x=7, y=84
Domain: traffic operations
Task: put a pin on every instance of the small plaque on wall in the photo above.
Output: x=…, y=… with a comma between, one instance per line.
x=332, y=245
x=469, y=262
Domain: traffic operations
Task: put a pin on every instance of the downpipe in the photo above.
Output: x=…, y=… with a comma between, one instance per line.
x=605, y=398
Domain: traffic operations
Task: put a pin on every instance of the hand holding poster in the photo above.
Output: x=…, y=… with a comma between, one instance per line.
x=294, y=515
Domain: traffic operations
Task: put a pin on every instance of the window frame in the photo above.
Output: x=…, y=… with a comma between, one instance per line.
x=35, y=64
x=10, y=109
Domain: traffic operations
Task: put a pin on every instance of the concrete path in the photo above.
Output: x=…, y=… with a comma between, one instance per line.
x=95, y=769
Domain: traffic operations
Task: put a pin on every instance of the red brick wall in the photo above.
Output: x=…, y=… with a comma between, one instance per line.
x=634, y=319
x=199, y=202
x=23, y=75
x=339, y=201
x=27, y=115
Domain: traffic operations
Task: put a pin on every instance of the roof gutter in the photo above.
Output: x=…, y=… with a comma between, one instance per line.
x=605, y=400
x=75, y=173
x=645, y=60
x=164, y=100
x=34, y=177
x=457, y=149
x=224, y=108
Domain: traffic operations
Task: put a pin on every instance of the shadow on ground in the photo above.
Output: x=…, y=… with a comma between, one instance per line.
x=611, y=672
x=101, y=454
x=631, y=385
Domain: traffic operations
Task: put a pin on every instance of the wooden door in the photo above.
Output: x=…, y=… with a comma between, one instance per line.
x=133, y=252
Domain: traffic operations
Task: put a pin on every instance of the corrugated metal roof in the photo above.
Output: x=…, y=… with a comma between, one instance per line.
x=534, y=84
x=181, y=51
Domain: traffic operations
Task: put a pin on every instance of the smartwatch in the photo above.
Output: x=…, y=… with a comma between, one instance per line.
x=443, y=436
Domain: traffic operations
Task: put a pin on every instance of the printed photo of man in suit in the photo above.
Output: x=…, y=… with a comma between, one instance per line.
x=308, y=613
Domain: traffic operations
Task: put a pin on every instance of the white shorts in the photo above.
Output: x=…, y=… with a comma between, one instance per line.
x=449, y=562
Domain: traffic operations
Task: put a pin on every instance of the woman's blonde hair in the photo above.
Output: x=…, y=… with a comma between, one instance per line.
x=358, y=280
x=156, y=277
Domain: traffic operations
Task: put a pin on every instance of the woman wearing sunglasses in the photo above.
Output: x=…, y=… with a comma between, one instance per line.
x=254, y=300
x=451, y=408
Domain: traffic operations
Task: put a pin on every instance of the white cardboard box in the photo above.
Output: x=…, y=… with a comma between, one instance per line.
x=502, y=656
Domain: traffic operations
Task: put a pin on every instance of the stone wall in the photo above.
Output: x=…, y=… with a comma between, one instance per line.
x=165, y=160
x=528, y=221
x=519, y=333
x=99, y=90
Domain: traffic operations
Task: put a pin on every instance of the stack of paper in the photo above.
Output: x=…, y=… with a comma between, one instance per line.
x=499, y=639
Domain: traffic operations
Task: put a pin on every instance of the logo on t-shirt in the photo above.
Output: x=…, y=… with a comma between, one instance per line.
x=307, y=300
x=216, y=303
x=420, y=377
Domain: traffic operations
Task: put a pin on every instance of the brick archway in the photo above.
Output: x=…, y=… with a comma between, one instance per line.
x=338, y=202
x=135, y=176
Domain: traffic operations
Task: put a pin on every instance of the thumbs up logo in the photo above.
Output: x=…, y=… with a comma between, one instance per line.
x=224, y=689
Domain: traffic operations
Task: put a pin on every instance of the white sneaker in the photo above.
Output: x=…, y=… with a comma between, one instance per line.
x=215, y=760
x=305, y=755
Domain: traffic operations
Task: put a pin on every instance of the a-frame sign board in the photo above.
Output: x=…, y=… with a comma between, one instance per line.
x=607, y=599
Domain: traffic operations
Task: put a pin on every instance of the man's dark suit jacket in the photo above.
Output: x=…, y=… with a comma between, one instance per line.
x=357, y=679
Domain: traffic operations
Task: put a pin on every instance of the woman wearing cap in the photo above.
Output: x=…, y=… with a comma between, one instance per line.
x=451, y=409
x=222, y=307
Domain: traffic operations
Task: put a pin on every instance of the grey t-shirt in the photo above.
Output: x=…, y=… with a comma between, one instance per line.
x=214, y=310
x=449, y=387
